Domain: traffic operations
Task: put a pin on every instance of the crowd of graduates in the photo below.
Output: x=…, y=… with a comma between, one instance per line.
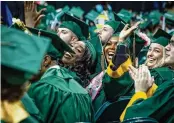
x=61, y=66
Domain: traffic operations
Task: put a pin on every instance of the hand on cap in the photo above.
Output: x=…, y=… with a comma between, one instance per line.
x=126, y=32
x=32, y=17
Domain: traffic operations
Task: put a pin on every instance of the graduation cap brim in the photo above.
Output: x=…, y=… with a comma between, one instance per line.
x=117, y=18
x=162, y=33
x=139, y=43
x=122, y=22
x=57, y=42
x=83, y=25
x=21, y=53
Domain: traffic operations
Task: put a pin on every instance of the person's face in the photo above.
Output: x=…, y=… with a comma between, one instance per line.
x=154, y=54
x=66, y=35
x=169, y=58
x=79, y=49
x=105, y=33
x=110, y=48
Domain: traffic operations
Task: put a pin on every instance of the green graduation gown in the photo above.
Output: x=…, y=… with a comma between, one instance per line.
x=31, y=108
x=162, y=74
x=159, y=106
x=60, y=98
x=113, y=88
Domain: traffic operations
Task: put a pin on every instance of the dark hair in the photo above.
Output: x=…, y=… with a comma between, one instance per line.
x=11, y=92
x=82, y=67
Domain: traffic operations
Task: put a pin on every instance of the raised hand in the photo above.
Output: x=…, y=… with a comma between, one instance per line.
x=126, y=32
x=32, y=17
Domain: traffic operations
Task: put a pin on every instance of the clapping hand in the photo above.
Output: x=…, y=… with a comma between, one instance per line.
x=142, y=78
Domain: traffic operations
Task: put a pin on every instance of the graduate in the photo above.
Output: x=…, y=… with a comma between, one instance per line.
x=159, y=105
x=63, y=99
x=18, y=64
x=72, y=29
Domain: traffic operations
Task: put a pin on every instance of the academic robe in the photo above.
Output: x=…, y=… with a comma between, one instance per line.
x=60, y=98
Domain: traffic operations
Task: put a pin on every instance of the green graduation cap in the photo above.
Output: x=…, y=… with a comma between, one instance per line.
x=125, y=15
x=145, y=23
x=65, y=8
x=122, y=22
x=92, y=15
x=92, y=50
x=61, y=12
x=77, y=12
x=162, y=41
x=113, y=24
x=39, y=7
x=58, y=45
x=139, y=43
x=169, y=18
x=155, y=17
x=161, y=37
x=95, y=41
x=92, y=32
x=83, y=25
x=162, y=33
x=22, y=54
x=50, y=9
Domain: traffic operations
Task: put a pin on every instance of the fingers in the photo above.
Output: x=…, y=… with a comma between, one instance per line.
x=147, y=76
x=137, y=24
x=140, y=73
x=38, y=20
x=25, y=6
x=34, y=7
x=125, y=27
x=28, y=5
x=136, y=62
x=132, y=69
x=144, y=73
x=39, y=13
x=137, y=74
x=42, y=10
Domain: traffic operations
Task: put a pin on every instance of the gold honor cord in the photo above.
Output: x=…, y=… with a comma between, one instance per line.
x=21, y=25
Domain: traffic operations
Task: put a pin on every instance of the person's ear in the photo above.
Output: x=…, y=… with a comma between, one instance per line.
x=47, y=61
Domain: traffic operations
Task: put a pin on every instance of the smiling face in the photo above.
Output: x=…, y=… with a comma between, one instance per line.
x=110, y=48
x=155, y=55
x=105, y=33
x=79, y=48
x=169, y=58
x=66, y=35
